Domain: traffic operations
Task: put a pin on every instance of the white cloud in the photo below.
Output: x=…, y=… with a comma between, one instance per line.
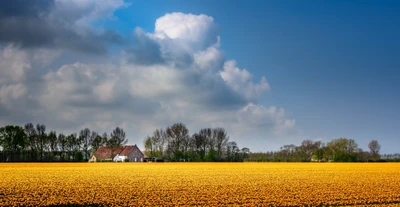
x=241, y=81
x=183, y=77
x=11, y=93
x=60, y=24
x=79, y=84
x=153, y=81
x=104, y=90
x=44, y=57
x=80, y=14
x=254, y=116
x=181, y=35
x=194, y=28
x=209, y=59
x=14, y=64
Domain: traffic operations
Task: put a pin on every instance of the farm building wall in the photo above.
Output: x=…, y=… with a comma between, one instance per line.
x=135, y=155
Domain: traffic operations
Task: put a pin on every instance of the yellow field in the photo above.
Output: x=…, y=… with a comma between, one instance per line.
x=200, y=184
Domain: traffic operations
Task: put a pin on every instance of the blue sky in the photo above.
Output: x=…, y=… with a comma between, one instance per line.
x=332, y=66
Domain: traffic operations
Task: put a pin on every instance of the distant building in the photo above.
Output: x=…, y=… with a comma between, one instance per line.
x=121, y=154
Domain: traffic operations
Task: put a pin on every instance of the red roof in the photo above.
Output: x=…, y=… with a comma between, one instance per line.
x=126, y=150
x=129, y=149
x=105, y=152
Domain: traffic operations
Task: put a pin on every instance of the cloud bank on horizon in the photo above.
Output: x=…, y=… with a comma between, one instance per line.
x=59, y=68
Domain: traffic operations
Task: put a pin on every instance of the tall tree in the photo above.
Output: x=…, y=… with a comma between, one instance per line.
x=96, y=141
x=31, y=133
x=52, y=137
x=73, y=145
x=149, y=146
x=117, y=139
x=306, y=149
x=232, y=150
x=104, y=138
x=177, y=134
x=197, y=142
x=342, y=150
x=85, y=136
x=287, y=152
x=205, y=139
x=185, y=147
x=41, y=139
x=221, y=138
x=193, y=154
x=319, y=153
x=62, y=145
x=78, y=142
x=245, y=152
x=374, y=148
x=159, y=139
x=12, y=140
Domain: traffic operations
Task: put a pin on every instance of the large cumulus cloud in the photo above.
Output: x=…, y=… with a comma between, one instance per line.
x=176, y=73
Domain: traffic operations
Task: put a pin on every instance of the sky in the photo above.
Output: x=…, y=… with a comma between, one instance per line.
x=270, y=72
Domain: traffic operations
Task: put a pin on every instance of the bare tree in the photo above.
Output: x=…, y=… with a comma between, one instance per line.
x=245, y=152
x=104, y=138
x=232, y=151
x=62, y=145
x=97, y=141
x=374, y=148
x=41, y=139
x=85, y=136
x=159, y=139
x=73, y=145
x=53, y=143
x=306, y=149
x=206, y=141
x=177, y=134
x=186, y=146
x=31, y=134
x=116, y=140
x=221, y=138
x=197, y=142
x=149, y=146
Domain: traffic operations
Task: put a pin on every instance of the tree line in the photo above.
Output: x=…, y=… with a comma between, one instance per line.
x=31, y=143
x=337, y=150
x=209, y=144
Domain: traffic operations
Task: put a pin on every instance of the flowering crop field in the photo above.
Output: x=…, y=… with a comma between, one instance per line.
x=199, y=184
